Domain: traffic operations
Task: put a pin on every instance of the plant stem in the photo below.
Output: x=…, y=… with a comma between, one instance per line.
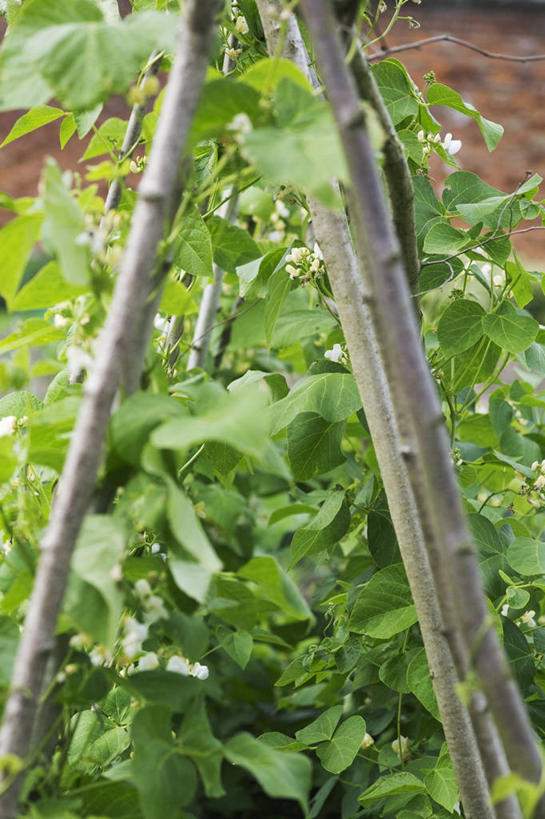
x=115, y=351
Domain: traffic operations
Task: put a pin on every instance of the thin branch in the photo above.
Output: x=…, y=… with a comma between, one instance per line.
x=448, y=38
x=483, y=243
x=333, y=236
x=406, y=366
x=76, y=483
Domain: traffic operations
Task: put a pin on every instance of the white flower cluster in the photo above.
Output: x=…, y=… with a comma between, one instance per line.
x=451, y=146
x=305, y=264
x=182, y=666
x=535, y=484
x=279, y=214
x=134, y=636
x=154, y=607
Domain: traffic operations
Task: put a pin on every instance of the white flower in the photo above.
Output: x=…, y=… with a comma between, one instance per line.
x=148, y=661
x=83, y=239
x=179, y=665
x=135, y=634
x=367, y=741
x=281, y=209
x=116, y=573
x=452, y=145
x=142, y=589
x=199, y=671
x=505, y=610
x=403, y=751
x=335, y=354
x=155, y=547
x=317, y=250
x=155, y=609
x=7, y=425
x=293, y=271
x=539, y=482
x=535, y=466
x=528, y=618
x=241, y=123
x=60, y=321
x=241, y=25
x=78, y=360
x=276, y=235
x=421, y=136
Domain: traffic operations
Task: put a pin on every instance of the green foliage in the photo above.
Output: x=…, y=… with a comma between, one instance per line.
x=239, y=634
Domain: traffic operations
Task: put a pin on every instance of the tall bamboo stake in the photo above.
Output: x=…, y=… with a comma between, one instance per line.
x=115, y=349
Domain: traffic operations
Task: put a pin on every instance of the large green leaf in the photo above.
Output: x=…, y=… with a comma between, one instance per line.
x=339, y=753
x=397, y=89
x=232, y=246
x=95, y=600
x=442, y=239
x=509, y=329
x=419, y=681
x=334, y=396
x=384, y=606
x=76, y=54
x=46, y=288
x=17, y=239
x=64, y=224
x=322, y=728
x=32, y=120
x=314, y=445
x=276, y=585
x=441, y=781
x=205, y=750
x=527, y=556
x=328, y=527
x=131, y=425
x=31, y=333
x=220, y=103
x=439, y=94
x=192, y=247
x=460, y=326
x=281, y=774
x=239, y=419
x=165, y=780
x=392, y=785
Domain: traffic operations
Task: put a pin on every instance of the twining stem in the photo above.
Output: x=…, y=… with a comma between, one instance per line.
x=115, y=350
x=406, y=366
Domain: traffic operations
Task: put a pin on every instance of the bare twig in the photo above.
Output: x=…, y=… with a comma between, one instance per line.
x=406, y=366
x=448, y=38
x=77, y=480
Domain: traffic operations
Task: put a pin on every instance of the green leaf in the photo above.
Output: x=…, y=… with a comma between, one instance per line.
x=192, y=247
x=419, y=681
x=472, y=366
x=9, y=639
x=279, y=287
x=237, y=644
x=64, y=222
x=322, y=728
x=439, y=94
x=314, y=445
x=46, y=288
x=443, y=239
x=460, y=326
x=192, y=578
x=75, y=53
x=100, y=547
x=202, y=746
x=334, y=396
x=232, y=246
x=31, y=333
x=527, y=556
x=107, y=139
x=397, y=89
x=239, y=419
x=277, y=585
x=281, y=774
x=177, y=300
x=484, y=534
x=17, y=238
x=327, y=528
x=132, y=424
x=441, y=782
x=32, y=120
x=384, y=606
x=265, y=75
x=165, y=780
x=510, y=329
x=339, y=753
x=392, y=785
x=221, y=101
x=296, y=325
x=519, y=654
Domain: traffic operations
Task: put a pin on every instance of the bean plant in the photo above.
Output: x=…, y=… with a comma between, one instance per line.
x=226, y=618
